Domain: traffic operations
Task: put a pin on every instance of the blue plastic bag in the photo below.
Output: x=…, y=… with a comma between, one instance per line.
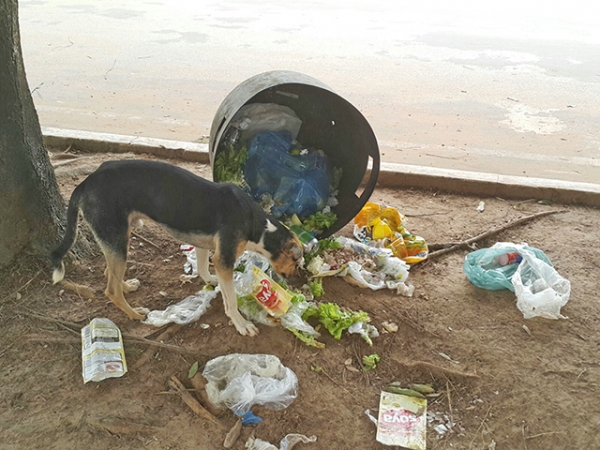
x=483, y=270
x=299, y=184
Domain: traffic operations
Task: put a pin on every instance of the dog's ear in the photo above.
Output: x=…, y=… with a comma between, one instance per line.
x=293, y=249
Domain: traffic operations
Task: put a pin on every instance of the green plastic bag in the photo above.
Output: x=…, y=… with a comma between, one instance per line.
x=483, y=269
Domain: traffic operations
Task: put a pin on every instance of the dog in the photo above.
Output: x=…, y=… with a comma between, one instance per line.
x=211, y=216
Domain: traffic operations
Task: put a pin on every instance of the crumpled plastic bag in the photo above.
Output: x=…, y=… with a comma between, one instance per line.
x=256, y=118
x=541, y=291
x=186, y=311
x=297, y=183
x=386, y=225
x=287, y=443
x=240, y=381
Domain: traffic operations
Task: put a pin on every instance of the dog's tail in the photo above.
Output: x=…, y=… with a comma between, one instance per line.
x=56, y=257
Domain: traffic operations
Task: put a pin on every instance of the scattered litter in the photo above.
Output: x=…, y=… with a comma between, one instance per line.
x=336, y=320
x=249, y=418
x=204, y=326
x=441, y=423
x=371, y=417
x=287, y=443
x=481, y=206
x=275, y=299
x=103, y=355
x=446, y=357
x=362, y=265
x=404, y=391
x=385, y=226
x=527, y=330
x=163, y=293
x=527, y=271
x=390, y=327
x=402, y=421
x=512, y=99
x=239, y=381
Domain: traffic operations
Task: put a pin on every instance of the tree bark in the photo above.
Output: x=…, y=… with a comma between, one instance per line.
x=32, y=210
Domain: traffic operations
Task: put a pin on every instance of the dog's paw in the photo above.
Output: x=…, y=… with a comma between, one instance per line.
x=131, y=285
x=139, y=313
x=212, y=280
x=245, y=328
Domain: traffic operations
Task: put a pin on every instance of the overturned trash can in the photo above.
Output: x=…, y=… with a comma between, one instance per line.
x=302, y=151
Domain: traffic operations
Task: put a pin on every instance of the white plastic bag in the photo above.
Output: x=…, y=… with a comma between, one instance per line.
x=540, y=290
x=239, y=381
x=255, y=118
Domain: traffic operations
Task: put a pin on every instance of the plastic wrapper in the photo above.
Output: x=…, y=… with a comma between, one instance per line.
x=298, y=183
x=541, y=291
x=483, y=271
x=287, y=443
x=240, y=381
x=186, y=311
x=386, y=225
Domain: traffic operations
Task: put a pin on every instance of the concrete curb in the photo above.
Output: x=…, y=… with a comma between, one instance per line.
x=391, y=175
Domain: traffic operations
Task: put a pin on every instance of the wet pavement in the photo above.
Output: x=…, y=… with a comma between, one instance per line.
x=512, y=89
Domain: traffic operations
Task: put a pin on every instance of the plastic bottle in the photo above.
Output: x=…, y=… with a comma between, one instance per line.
x=509, y=258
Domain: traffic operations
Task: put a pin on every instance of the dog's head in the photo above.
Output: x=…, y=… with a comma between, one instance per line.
x=284, y=248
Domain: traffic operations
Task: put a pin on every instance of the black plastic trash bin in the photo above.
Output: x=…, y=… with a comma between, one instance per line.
x=329, y=122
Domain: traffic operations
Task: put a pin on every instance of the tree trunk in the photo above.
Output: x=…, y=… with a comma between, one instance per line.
x=32, y=209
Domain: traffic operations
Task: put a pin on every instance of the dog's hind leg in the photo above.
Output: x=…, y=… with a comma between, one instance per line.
x=116, y=265
x=202, y=262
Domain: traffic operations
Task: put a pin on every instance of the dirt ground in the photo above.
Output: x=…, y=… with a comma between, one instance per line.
x=508, y=389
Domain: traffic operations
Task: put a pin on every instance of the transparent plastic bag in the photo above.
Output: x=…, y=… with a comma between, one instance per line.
x=287, y=443
x=299, y=184
x=186, y=311
x=240, y=381
x=540, y=290
x=256, y=118
x=482, y=269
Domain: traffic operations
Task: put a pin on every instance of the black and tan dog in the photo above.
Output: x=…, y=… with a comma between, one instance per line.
x=210, y=216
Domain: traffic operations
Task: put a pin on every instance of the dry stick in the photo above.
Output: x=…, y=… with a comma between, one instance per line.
x=12, y=294
x=449, y=402
x=233, y=434
x=199, y=384
x=147, y=241
x=479, y=428
x=433, y=368
x=148, y=354
x=189, y=400
x=492, y=232
x=129, y=337
x=119, y=426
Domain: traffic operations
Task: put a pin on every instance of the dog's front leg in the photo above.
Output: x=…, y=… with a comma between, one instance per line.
x=225, y=277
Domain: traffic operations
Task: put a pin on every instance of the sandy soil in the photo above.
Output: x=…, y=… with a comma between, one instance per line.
x=509, y=390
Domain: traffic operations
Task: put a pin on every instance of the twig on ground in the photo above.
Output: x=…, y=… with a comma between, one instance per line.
x=524, y=438
x=147, y=241
x=148, y=354
x=67, y=161
x=119, y=426
x=547, y=433
x=12, y=294
x=193, y=404
x=111, y=68
x=449, y=402
x=480, y=426
x=490, y=233
x=437, y=370
x=199, y=384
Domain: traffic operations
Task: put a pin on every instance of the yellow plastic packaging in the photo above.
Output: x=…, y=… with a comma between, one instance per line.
x=270, y=294
x=387, y=224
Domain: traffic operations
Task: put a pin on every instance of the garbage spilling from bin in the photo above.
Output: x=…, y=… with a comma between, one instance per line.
x=260, y=153
x=541, y=291
x=385, y=227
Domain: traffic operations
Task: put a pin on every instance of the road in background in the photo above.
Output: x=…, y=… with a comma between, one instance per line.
x=511, y=88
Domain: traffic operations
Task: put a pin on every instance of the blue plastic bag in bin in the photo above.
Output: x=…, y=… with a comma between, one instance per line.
x=483, y=270
x=299, y=184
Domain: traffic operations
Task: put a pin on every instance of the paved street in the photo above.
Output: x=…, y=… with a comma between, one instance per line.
x=512, y=88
